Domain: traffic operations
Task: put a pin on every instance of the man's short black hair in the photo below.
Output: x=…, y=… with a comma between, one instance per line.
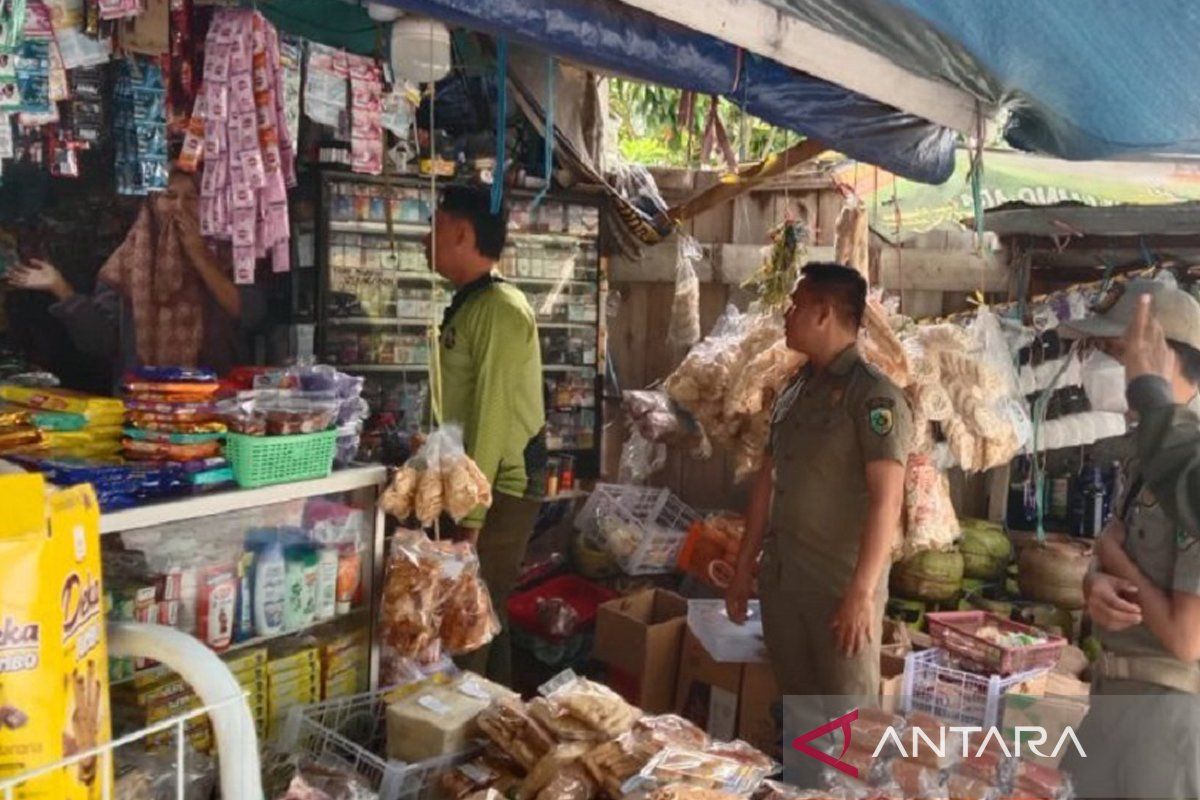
x=1189, y=360
x=475, y=206
x=842, y=286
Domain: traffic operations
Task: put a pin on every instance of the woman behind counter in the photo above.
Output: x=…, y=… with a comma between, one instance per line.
x=161, y=298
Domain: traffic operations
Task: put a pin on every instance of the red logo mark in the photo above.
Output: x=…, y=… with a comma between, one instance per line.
x=801, y=743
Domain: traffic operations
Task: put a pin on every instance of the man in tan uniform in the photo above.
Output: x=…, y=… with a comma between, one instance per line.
x=1142, y=735
x=826, y=506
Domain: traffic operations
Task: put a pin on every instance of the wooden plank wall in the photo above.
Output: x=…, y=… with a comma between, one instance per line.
x=933, y=273
x=637, y=335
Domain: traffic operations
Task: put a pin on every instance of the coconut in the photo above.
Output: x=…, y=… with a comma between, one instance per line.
x=934, y=576
x=986, y=550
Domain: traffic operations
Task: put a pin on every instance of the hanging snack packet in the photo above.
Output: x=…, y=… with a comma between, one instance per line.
x=53, y=657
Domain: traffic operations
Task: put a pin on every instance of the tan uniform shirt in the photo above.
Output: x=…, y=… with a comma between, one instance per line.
x=826, y=428
x=1165, y=553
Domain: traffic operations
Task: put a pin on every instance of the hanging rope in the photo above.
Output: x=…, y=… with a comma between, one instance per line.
x=501, y=122
x=434, y=331
x=548, y=162
x=1038, y=460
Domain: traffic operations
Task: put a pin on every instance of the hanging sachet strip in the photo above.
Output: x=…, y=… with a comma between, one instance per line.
x=239, y=132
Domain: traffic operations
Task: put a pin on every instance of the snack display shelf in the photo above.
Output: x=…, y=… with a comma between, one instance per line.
x=409, y=229
x=384, y=367
x=570, y=494
x=554, y=258
x=564, y=282
x=356, y=616
x=398, y=228
x=379, y=322
x=147, y=516
x=588, y=368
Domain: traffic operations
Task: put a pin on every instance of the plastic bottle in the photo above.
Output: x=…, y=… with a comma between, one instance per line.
x=245, y=603
x=327, y=578
x=270, y=583
x=1093, y=504
x=300, y=601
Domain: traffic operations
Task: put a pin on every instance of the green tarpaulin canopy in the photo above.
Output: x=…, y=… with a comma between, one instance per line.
x=900, y=208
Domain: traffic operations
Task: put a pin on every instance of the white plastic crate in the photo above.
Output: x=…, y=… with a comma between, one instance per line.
x=934, y=685
x=657, y=522
x=351, y=732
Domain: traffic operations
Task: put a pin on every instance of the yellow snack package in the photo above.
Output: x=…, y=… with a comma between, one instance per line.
x=55, y=399
x=53, y=654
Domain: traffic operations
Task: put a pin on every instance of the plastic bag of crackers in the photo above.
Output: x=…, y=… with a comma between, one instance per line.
x=434, y=602
x=53, y=658
x=441, y=477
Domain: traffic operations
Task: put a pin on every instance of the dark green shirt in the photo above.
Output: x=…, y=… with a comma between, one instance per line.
x=826, y=428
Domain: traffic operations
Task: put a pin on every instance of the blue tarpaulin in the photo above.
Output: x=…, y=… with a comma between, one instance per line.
x=1081, y=79
x=613, y=37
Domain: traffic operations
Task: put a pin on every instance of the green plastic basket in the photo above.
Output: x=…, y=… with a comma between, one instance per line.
x=266, y=460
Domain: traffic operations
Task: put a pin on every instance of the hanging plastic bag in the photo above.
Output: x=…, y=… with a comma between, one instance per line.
x=434, y=601
x=640, y=458
x=1103, y=380
x=685, y=309
x=439, y=477
x=992, y=347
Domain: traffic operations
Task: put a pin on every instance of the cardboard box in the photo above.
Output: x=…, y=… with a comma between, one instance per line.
x=1054, y=714
x=707, y=690
x=638, y=637
x=891, y=682
x=760, y=713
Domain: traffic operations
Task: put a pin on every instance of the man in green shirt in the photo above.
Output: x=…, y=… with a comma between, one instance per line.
x=491, y=373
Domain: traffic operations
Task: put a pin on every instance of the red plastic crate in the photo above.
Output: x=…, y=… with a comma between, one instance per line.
x=581, y=594
x=954, y=631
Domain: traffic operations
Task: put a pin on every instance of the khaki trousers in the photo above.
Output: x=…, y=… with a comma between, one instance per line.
x=817, y=682
x=502, y=544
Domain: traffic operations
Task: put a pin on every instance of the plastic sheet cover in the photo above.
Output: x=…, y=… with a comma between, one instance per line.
x=1099, y=80
x=616, y=38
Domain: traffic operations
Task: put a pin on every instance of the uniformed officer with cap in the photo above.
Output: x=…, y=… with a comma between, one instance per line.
x=826, y=506
x=1142, y=733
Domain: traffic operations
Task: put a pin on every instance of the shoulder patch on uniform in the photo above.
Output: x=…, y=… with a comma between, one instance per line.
x=881, y=415
x=449, y=338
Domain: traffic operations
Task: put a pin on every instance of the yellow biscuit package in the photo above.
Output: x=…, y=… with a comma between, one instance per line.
x=53, y=656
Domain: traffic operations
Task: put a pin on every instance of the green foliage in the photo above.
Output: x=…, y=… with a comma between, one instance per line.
x=649, y=131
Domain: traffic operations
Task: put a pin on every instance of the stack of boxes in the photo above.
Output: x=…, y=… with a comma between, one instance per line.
x=158, y=694
x=344, y=665
x=293, y=679
x=274, y=682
